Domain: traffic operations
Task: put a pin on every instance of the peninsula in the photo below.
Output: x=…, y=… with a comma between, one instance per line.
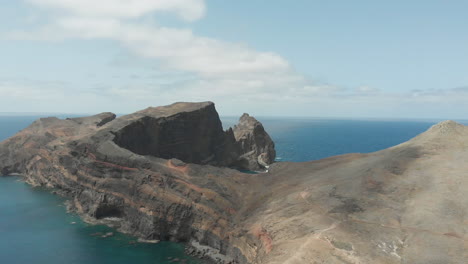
x=173, y=173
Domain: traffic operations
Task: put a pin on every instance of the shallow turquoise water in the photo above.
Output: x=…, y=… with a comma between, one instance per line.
x=35, y=228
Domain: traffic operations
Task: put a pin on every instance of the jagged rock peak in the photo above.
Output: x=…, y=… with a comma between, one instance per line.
x=256, y=146
x=248, y=121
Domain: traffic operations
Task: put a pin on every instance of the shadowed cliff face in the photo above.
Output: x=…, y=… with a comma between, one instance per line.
x=151, y=172
x=197, y=137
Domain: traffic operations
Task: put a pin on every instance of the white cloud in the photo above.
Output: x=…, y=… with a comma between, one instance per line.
x=231, y=74
x=213, y=60
x=22, y=89
x=366, y=90
x=223, y=70
x=187, y=9
x=262, y=97
x=178, y=49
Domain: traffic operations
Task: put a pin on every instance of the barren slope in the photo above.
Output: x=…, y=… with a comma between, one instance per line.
x=405, y=204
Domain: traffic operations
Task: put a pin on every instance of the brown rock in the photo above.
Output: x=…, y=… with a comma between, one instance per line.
x=257, y=148
x=405, y=204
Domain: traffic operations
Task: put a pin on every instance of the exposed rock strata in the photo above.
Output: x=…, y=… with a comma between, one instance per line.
x=193, y=133
x=405, y=204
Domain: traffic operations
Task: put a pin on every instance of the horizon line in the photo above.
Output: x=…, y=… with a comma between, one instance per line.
x=362, y=118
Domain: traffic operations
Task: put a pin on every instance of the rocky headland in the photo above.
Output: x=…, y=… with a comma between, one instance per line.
x=173, y=173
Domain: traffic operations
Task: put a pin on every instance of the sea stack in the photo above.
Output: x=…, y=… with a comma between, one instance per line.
x=256, y=147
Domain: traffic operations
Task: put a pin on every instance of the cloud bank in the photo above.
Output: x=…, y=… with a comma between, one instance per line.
x=187, y=9
x=231, y=74
x=222, y=68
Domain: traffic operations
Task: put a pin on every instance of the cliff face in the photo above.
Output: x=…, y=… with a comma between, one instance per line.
x=256, y=147
x=163, y=173
x=195, y=137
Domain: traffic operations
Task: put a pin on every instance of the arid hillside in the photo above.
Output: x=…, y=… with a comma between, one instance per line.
x=172, y=173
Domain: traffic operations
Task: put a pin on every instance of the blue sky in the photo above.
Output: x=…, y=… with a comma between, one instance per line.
x=359, y=59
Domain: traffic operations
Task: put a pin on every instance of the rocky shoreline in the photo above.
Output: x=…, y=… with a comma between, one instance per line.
x=205, y=253
x=146, y=196
x=173, y=174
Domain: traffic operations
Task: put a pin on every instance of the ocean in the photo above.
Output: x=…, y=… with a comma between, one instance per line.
x=35, y=228
x=305, y=139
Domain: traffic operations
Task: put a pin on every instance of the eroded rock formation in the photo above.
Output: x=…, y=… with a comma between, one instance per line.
x=195, y=135
x=256, y=147
x=405, y=204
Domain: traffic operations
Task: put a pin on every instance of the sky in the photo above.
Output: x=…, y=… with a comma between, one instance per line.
x=304, y=58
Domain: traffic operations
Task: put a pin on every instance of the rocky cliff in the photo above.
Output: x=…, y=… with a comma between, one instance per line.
x=164, y=174
x=193, y=133
x=256, y=147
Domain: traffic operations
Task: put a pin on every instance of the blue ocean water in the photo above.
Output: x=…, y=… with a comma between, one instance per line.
x=302, y=139
x=35, y=228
